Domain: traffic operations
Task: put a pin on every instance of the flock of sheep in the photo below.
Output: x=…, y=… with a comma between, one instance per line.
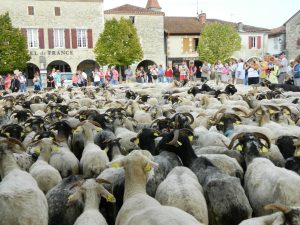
x=184, y=153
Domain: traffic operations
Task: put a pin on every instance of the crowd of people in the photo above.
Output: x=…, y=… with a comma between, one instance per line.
x=275, y=69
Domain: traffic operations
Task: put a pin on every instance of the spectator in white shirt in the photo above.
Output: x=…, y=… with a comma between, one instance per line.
x=240, y=72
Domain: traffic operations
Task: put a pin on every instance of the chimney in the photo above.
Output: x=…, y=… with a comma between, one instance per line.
x=202, y=18
x=153, y=5
x=240, y=26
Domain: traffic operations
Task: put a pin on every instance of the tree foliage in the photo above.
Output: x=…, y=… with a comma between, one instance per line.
x=13, y=46
x=218, y=42
x=118, y=44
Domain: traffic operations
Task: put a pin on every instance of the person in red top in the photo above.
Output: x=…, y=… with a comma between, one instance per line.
x=169, y=74
x=7, y=81
x=75, y=79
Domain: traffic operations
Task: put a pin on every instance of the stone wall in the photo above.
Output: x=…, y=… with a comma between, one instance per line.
x=292, y=35
x=150, y=29
x=85, y=14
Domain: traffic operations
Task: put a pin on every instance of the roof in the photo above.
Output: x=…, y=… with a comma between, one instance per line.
x=131, y=9
x=191, y=25
x=153, y=4
x=277, y=31
x=292, y=17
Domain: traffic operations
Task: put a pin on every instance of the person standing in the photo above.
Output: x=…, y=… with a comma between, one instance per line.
x=50, y=80
x=296, y=71
x=192, y=71
x=84, y=76
x=36, y=82
x=108, y=74
x=205, y=76
x=22, y=80
x=246, y=68
x=154, y=73
x=57, y=78
x=14, y=84
x=161, y=73
x=169, y=74
x=240, y=72
x=96, y=76
x=219, y=71
x=7, y=81
x=282, y=64
x=75, y=78
x=184, y=72
x=253, y=76
x=226, y=73
x=115, y=76
x=129, y=75
x=176, y=72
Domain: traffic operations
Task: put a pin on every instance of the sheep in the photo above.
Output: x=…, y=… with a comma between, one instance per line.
x=286, y=215
x=45, y=175
x=139, y=208
x=126, y=135
x=182, y=180
x=57, y=198
x=93, y=159
x=21, y=200
x=265, y=183
x=91, y=191
x=224, y=194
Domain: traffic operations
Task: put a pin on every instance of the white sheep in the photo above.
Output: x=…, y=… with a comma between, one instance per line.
x=182, y=180
x=21, y=200
x=93, y=160
x=138, y=207
x=46, y=176
x=91, y=191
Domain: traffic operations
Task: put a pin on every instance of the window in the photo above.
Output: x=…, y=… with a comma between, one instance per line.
x=276, y=40
x=32, y=38
x=81, y=38
x=57, y=11
x=254, y=42
x=132, y=19
x=186, y=45
x=30, y=10
x=195, y=44
x=59, y=38
x=298, y=28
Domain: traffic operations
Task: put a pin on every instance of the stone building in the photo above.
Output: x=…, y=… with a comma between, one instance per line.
x=149, y=23
x=182, y=37
x=276, y=42
x=292, y=27
x=60, y=33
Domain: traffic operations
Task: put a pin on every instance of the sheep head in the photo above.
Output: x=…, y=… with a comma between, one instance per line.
x=291, y=214
x=11, y=145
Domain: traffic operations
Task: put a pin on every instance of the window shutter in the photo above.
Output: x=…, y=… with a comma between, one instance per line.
x=24, y=32
x=259, y=42
x=90, y=38
x=50, y=38
x=41, y=38
x=67, y=38
x=74, y=38
x=250, y=42
x=186, y=45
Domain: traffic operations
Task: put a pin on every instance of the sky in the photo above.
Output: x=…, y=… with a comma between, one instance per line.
x=260, y=13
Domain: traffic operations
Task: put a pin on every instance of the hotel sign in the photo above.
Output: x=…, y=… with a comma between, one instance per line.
x=51, y=52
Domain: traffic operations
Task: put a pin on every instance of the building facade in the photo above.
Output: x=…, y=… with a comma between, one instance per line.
x=292, y=27
x=149, y=23
x=60, y=34
x=276, y=42
x=182, y=38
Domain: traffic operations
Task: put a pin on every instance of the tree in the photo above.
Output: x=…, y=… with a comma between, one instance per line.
x=218, y=42
x=118, y=44
x=13, y=47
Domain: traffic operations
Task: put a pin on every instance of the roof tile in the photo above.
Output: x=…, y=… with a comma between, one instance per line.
x=131, y=9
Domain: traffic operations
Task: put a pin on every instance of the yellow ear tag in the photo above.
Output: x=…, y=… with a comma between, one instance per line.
x=297, y=153
x=27, y=129
x=237, y=123
x=7, y=134
x=22, y=134
x=179, y=143
x=136, y=141
x=110, y=198
x=41, y=125
x=60, y=117
x=271, y=111
x=239, y=148
x=264, y=150
x=221, y=123
x=55, y=148
x=191, y=137
x=148, y=168
x=77, y=130
x=156, y=134
x=285, y=111
x=37, y=149
x=70, y=197
x=115, y=165
x=98, y=129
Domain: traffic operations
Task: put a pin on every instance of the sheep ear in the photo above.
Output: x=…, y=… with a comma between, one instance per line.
x=150, y=165
x=108, y=196
x=115, y=164
x=135, y=140
x=74, y=198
